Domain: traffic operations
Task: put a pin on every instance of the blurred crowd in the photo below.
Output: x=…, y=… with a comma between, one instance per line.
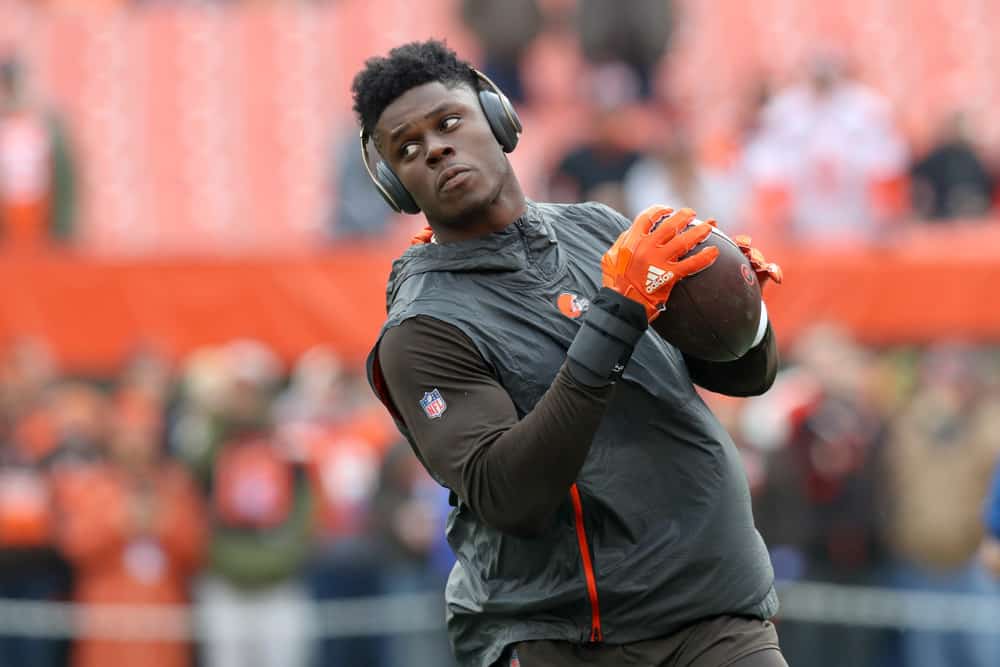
x=872, y=468
x=251, y=492
x=220, y=482
x=818, y=159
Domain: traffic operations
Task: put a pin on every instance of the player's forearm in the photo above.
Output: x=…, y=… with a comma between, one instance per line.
x=519, y=475
x=750, y=375
x=519, y=478
x=513, y=471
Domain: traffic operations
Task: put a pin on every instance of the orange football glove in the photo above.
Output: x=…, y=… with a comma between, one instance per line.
x=645, y=262
x=765, y=270
x=423, y=236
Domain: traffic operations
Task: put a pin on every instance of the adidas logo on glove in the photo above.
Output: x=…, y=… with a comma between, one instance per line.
x=657, y=278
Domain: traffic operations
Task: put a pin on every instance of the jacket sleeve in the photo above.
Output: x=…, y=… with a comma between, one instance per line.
x=750, y=375
x=514, y=473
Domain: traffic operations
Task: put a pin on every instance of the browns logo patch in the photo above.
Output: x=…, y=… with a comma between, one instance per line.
x=571, y=305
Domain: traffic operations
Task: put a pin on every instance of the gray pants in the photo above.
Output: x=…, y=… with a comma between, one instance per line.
x=265, y=628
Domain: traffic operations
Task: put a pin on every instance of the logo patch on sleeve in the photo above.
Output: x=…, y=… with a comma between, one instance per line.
x=433, y=404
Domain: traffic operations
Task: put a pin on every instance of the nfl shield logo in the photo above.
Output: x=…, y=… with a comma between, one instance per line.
x=433, y=404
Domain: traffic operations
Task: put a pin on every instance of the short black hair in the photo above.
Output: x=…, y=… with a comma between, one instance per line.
x=384, y=79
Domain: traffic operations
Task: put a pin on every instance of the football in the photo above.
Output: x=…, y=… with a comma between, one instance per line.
x=715, y=314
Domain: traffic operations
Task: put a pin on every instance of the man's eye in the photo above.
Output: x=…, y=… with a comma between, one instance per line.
x=449, y=122
x=408, y=150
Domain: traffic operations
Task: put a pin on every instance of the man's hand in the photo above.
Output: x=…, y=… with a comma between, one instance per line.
x=645, y=262
x=765, y=270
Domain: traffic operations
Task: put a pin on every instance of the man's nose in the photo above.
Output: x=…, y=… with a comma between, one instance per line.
x=438, y=151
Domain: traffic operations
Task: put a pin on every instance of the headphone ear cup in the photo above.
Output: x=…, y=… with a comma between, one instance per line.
x=502, y=118
x=393, y=190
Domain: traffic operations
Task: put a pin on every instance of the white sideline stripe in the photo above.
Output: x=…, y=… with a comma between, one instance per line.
x=368, y=616
x=424, y=612
x=889, y=608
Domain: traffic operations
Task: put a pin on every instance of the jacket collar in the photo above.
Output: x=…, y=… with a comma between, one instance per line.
x=511, y=249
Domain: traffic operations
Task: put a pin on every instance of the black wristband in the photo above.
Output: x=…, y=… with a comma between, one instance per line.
x=628, y=310
x=608, y=334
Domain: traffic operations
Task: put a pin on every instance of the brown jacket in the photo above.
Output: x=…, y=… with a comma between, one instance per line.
x=940, y=458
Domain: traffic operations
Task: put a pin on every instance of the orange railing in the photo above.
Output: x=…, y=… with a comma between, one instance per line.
x=922, y=285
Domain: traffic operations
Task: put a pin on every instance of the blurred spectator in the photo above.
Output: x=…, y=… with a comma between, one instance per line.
x=27, y=370
x=635, y=33
x=57, y=432
x=989, y=551
x=316, y=392
x=818, y=508
x=830, y=145
x=147, y=372
x=31, y=567
x=725, y=157
x=37, y=179
x=671, y=174
x=595, y=170
x=252, y=600
x=134, y=533
x=342, y=432
x=505, y=30
x=410, y=513
x=358, y=210
x=942, y=451
x=951, y=181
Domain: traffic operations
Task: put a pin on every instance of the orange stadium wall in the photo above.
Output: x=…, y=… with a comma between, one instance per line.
x=923, y=287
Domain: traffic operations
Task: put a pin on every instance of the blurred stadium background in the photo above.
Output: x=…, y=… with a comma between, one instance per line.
x=192, y=469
